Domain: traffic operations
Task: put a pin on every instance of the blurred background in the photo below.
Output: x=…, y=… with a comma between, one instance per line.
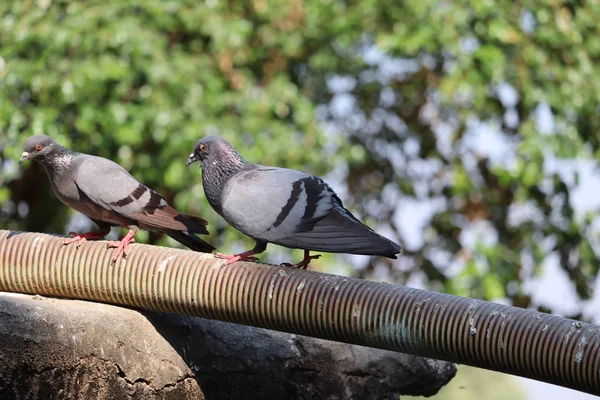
x=468, y=131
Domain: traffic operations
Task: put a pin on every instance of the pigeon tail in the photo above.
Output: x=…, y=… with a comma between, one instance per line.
x=167, y=218
x=193, y=223
x=190, y=240
x=337, y=233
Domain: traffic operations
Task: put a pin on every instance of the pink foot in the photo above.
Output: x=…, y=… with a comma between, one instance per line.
x=121, y=246
x=230, y=259
x=304, y=263
x=80, y=238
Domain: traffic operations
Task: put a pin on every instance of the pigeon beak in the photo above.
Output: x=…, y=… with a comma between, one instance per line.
x=192, y=159
x=24, y=157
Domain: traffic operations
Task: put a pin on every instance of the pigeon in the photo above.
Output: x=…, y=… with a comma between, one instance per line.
x=108, y=195
x=281, y=206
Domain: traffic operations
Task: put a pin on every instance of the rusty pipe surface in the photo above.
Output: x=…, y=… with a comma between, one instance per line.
x=521, y=342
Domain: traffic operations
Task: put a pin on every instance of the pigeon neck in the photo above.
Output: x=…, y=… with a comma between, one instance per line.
x=216, y=174
x=59, y=160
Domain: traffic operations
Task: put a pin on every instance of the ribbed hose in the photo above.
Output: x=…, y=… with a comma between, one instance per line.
x=483, y=334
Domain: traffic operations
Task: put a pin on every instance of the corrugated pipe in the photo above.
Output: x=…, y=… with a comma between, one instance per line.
x=466, y=331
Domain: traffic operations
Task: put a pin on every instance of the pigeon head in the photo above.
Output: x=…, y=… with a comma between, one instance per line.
x=39, y=148
x=220, y=162
x=214, y=150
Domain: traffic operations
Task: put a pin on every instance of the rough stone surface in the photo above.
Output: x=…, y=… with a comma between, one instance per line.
x=52, y=348
x=69, y=349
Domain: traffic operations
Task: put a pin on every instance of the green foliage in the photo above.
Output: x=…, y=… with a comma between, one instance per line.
x=140, y=81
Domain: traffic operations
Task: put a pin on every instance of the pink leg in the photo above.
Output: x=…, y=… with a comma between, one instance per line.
x=304, y=263
x=245, y=256
x=121, y=246
x=80, y=238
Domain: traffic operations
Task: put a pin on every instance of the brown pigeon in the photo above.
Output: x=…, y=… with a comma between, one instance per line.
x=108, y=195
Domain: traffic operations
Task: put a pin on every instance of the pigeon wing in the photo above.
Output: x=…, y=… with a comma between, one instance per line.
x=270, y=203
x=110, y=186
x=297, y=210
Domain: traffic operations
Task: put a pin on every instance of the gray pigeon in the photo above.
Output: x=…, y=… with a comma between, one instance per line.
x=281, y=206
x=108, y=195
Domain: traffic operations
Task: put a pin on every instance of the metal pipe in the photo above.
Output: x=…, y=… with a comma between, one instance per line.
x=478, y=333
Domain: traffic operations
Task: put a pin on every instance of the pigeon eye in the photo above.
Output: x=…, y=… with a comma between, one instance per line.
x=202, y=147
x=39, y=147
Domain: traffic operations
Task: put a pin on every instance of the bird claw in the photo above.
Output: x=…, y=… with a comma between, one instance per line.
x=80, y=238
x=120, y=248
x=302, y=264
x=230, y=259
